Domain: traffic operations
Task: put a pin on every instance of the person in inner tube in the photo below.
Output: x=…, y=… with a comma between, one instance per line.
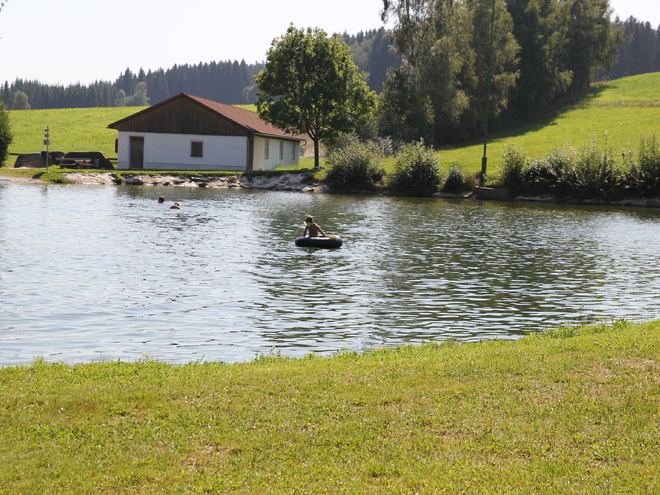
x=311, y=228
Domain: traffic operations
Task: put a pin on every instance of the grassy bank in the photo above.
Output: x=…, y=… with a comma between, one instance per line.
x=71, y=129
x=622, y=110
x=576, y=411
x=618, y=112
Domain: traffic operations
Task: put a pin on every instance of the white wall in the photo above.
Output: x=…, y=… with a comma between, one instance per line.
x=172, y=152
x=290, y=153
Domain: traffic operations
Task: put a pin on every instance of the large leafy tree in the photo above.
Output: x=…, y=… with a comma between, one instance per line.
x=445, y=43
x=5, y=132
x=541, y=28
x=402, y=112
x=592, y=41
x=311, y=85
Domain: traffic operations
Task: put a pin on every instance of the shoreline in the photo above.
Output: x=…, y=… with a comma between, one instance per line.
x=299, y=182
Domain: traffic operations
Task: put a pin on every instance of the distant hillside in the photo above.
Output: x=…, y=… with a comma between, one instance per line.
x=616, y=113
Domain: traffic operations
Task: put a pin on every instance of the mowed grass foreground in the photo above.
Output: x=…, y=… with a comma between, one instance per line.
x=573, y=411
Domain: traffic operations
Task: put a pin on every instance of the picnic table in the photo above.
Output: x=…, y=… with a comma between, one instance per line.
x=77, y=162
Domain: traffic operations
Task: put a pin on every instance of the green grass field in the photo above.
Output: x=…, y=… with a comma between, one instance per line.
x=71, y=129
x=615, y=113
x=575, y=411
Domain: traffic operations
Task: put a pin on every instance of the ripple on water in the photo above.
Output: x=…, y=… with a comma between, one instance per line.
x=90, y=273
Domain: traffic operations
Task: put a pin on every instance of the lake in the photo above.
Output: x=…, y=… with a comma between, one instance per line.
x=91, y=273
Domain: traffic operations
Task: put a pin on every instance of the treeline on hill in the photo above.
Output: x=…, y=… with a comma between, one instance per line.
x=640, y=50
x=541, y=50
x=227, y=82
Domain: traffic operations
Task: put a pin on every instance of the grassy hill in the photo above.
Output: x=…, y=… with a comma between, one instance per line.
x=616, y=113
x=71, y=129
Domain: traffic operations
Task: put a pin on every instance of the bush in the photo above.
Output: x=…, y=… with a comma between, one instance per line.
x=354, y=165
x=416, y=170
x=513, y=168
x=455, y=181
x=557, y=163
x=538, y=177
x=593, y=174
x=644, y=175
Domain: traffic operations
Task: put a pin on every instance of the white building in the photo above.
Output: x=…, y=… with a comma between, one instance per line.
x=186, y=133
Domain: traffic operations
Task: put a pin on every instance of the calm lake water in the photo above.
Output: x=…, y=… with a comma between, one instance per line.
x=101, y=272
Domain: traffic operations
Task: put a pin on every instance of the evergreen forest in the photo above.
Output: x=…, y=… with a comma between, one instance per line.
x=228, y=82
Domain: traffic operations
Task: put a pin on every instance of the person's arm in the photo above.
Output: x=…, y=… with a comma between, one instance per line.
x=321, y=230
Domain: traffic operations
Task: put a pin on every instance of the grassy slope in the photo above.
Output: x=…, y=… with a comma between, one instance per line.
x=573, y=412
x=617, y=113
x=71, y=129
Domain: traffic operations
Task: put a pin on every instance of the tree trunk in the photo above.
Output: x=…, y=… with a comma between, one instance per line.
x=316, y=153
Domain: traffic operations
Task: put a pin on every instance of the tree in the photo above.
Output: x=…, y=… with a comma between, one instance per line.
x=445, y=43
x=402, y=113
x=120, y=101
x=139, y=98
x=541, y=28
x=21, y=101
x=638, y=53
x=5, y=132
x=311, y=85
x=592, y=41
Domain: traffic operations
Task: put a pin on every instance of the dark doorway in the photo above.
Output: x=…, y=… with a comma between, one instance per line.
x=137, y=152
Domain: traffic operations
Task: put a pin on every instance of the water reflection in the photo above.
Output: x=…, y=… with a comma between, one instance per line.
x=106, y=272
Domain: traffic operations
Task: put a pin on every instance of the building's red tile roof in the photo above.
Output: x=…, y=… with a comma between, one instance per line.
x=244, y=118
x=250, y=121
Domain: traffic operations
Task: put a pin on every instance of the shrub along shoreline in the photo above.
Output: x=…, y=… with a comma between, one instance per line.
x=585, y=174
x=588, y=174
x=575, y=410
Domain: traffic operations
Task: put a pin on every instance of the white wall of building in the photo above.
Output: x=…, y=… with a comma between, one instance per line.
x=223, y=153
x=172, y=152
x=288, y=153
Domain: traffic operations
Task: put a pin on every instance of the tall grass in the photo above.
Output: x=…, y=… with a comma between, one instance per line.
x=355, y=165
x=416, y=170
x=588, y=172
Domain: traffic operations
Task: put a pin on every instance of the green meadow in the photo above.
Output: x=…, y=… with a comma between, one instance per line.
x=576, y=410
x=71, y=129
x=615, y=114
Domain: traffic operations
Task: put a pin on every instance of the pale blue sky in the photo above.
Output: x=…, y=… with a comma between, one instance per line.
x=85, y=40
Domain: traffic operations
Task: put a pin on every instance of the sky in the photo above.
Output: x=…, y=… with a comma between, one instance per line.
x=73, y=41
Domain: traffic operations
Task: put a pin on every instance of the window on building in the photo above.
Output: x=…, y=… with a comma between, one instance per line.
x=266, y=143
x=197, y=148
x=293, y=150
x=281, y=150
